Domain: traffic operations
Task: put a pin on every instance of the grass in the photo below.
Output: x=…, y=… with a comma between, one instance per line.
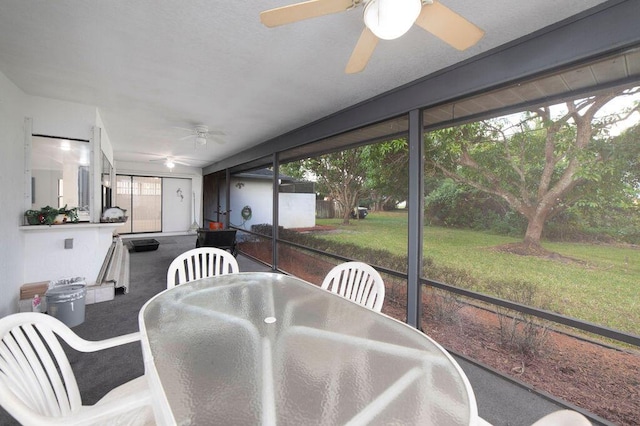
x=602, y=286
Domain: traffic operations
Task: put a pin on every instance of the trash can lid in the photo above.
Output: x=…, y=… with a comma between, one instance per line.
x=67, y=292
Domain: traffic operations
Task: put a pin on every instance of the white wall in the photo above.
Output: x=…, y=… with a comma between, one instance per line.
x=105, y=141
x=52, y=117
x=13, y=107
x=255, y=193
x=90, y=245
x=295, y=210
x=176, y=205
x=160, y=170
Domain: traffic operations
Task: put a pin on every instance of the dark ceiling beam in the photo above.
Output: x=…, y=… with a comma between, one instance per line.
x=607, y=28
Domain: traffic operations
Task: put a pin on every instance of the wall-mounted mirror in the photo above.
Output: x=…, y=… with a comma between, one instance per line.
x=60, y=174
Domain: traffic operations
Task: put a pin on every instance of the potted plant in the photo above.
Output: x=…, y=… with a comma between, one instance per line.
x=34, y=217
x=49, y=216
x=66, y=215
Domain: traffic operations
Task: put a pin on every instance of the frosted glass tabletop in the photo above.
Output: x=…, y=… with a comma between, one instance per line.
x=263, y=348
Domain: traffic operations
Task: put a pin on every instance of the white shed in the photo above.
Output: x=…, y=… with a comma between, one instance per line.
x=251, y=202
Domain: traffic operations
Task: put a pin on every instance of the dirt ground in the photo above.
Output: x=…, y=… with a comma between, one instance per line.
x=598, y=378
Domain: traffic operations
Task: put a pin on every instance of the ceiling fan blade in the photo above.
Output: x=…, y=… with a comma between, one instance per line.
x=305, y=10
x=362, y=52
x=448, y=26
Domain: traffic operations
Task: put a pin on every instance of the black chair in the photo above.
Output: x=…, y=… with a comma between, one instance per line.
x=224, y=239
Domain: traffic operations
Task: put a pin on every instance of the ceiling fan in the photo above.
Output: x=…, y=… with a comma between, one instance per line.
x=170, y=162
x=201, y=134
x=383, y=19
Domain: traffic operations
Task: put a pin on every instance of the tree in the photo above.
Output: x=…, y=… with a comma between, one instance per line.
x=387, y=165
x=378, y=172
x=611, y=205
x=537, y=164
x=341, y=175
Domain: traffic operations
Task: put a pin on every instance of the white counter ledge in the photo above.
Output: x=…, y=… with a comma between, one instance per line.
x=67, y=250
x=80, y=225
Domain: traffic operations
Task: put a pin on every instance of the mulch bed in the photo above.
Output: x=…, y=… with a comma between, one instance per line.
x=597, y=378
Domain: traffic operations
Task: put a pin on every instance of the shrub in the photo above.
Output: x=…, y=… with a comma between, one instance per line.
x=521, y=332
x=459, y=206
x=265, y=229
x=443, y=305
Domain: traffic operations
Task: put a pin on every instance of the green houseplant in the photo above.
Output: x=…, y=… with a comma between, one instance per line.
x=49, y=216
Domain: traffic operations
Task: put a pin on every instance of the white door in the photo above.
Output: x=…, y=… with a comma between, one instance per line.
x=176, y=204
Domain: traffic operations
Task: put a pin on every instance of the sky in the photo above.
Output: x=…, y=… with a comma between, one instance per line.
x=613, y=107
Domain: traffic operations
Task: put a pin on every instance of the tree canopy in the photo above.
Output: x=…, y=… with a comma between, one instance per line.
x=540, y=162
x=387, y=168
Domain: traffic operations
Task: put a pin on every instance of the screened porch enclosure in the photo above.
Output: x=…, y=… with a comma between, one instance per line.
x=453, y=293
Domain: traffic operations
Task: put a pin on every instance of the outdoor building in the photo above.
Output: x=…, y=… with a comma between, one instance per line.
x=252, y=201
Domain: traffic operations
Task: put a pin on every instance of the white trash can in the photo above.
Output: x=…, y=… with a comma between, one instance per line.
x=66, y=303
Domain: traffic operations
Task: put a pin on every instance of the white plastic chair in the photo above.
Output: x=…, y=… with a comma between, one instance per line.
x=357, y=282
x=37, y=384
x=563, y=418
x=202, y=262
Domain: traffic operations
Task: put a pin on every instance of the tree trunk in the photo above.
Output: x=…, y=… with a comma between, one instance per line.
x=346, y=217
x=534, y=229
x=346, y=211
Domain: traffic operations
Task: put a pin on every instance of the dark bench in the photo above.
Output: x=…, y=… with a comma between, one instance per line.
x=224, y=239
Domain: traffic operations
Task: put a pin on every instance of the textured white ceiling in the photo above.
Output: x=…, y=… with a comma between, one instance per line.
x=153, y=65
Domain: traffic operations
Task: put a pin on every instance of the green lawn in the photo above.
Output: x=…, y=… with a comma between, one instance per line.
x=604, y=287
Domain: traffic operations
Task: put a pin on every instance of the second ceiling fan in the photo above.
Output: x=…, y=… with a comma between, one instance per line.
x=201, y=134
x=383, y=19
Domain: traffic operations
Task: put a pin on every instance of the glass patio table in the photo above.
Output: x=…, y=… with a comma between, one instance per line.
x=266, y=348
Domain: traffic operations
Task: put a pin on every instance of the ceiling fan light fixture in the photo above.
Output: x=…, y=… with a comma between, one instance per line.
x=170, y=164
x=201, y=140
x=390, y=19
x=65, y=145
